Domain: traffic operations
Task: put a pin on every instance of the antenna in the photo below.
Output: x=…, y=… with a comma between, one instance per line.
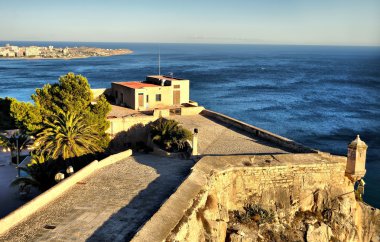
x=159, y=60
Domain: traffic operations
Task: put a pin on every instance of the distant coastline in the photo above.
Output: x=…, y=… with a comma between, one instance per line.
x=50, y=52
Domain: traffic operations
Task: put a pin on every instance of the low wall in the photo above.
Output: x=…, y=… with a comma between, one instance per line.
x=287, y=184
x=161, y=113
x=193, y=103
x=264, y=134
x=124, y=124
x=185, y=111
x=53, y=193
x=97, y=92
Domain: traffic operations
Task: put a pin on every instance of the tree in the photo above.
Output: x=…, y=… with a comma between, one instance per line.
x=71, y=94
x=27, y=116
x=169, y=135
x=6, y=121
x=16, y=142
x=67, y=135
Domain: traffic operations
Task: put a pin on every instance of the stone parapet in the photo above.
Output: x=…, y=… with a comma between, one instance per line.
x=264, y=134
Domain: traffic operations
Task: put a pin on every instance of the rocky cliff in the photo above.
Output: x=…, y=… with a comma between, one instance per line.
x=290, y=197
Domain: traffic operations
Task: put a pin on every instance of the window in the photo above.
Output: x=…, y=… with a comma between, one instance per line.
x=147, y=98
x=176, y=86
x=158, y=97
x=116, y=94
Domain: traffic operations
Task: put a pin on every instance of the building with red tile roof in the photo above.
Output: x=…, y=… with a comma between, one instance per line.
x=155, y=91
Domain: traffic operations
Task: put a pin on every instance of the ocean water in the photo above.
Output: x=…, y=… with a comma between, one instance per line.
x=321, y=96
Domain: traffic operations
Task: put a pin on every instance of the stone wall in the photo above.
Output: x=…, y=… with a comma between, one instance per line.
x=53, y=193
x=264, y=134
x=185, y=111
x=290, y=185
x=124, y=124
x=118, y=125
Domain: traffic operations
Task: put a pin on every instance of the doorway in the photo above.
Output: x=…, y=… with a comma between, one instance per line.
x=141, y=99
x=176, y=97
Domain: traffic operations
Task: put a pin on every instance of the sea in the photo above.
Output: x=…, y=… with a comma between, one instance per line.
x=320, y=96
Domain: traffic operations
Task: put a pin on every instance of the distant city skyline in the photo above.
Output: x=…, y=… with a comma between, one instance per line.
x=296, y=22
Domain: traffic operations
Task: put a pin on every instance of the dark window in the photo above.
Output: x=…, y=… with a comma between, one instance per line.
x=147, y=98
x=116, y=94
x=158, y=97
x=176, y=86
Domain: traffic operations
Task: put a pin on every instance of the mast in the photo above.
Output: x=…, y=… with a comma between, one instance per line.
x=159, y=60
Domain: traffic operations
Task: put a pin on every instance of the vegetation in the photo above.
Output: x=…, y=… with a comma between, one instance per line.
x=72, y=94
x=10, y=143
x=41, y=172
x=69, y=127
x=6, y=121
x=66, y=136
x=27, y=116
x=253, y=213
x=169, y=135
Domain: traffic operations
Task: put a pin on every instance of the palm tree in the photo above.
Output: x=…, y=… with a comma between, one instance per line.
x=68, y=136
x=169, y=135
x=17, y=142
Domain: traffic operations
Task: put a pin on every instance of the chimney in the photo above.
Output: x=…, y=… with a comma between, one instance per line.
x=356, y=158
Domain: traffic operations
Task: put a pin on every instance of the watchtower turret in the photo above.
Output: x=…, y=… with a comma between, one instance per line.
x=356, y=158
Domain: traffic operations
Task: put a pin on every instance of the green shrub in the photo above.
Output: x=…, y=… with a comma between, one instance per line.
x=254, y=213
x=169, y=135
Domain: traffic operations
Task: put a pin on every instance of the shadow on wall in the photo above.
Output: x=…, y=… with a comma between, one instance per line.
x=136, y=136
x=125, y=223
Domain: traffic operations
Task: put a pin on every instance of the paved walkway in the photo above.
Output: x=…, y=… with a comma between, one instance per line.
x=216, y=138
x=110, y=205
x=114, y=202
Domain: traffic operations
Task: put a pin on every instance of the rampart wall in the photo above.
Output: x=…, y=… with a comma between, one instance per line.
x=264, y=134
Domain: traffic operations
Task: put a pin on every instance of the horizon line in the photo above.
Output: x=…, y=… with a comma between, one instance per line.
x=195, y=43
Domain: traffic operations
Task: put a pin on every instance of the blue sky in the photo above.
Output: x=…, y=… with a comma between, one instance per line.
x=325, y=22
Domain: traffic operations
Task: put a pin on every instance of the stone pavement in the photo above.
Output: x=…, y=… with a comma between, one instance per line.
x=110, y=205
x=114, y=202
x=216, y=138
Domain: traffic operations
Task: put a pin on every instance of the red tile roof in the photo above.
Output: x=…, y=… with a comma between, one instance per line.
x=136, y=85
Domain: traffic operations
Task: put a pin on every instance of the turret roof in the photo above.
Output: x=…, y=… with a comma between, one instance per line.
x=357, y=143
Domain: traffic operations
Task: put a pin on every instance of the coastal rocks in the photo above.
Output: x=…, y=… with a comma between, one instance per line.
x=319, y=233
x=309, y=200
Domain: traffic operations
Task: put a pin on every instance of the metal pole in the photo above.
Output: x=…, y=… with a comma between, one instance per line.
x=18, y=159
x=159, y=60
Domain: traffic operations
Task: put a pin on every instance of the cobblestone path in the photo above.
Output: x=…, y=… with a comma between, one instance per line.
x=110, y=205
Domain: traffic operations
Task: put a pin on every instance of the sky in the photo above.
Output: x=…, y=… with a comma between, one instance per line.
x=304, y=22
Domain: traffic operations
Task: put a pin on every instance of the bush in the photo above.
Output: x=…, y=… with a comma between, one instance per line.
x=169, y=135
x=254, y=213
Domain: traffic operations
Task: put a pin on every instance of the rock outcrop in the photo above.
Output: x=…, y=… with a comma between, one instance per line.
x=289, y=197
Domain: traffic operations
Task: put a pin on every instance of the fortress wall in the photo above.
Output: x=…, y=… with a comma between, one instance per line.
x=264, y=134
x=199, y=209
x=56, y=191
